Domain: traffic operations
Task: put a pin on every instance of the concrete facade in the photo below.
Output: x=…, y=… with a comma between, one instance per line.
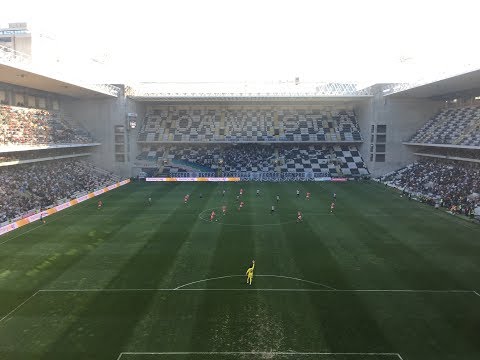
x=402, y=117
x=100, y=117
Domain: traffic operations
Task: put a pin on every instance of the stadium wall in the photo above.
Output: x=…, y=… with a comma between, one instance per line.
x=101, y=117
x=403, y=117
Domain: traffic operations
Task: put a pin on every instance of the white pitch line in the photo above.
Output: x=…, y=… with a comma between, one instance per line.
x=266, y=289
x=198, y=281
x=405, y=290
x=297, y=279
x=476, y=293
x=52, y=220
x=104, y=290
x=277, y=276
x=26, y=232
x=261, y=353
x=11, y=312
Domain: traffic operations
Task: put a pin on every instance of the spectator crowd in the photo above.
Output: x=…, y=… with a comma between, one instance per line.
x=22, y=126
x=31, y=187
x=448, y=184
x=250, y=157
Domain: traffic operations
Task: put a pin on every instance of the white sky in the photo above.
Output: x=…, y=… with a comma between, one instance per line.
x=210, y=40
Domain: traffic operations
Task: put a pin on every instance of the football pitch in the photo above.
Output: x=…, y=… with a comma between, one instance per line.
x=380, y=278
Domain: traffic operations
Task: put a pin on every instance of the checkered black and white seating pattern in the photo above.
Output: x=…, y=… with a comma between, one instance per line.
x=324, y=159
x=205, y=156
x=253, y=158
x=306, y=159
x=318, y=126
x=351, y=162
x=196, y=125
x=460, y=126
x=151, y=153
x=249, y=125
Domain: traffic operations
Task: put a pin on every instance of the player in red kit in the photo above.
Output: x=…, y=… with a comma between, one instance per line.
x=212, y=216
x=241, y=205
x=299, y=216
x=100, y=204
x=186, y=197
x=332, y=207
x=308, y=196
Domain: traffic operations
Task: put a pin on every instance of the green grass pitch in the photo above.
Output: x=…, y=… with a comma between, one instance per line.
x=381, y=278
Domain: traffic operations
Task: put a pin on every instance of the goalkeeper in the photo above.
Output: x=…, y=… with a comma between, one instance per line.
x=250, y=273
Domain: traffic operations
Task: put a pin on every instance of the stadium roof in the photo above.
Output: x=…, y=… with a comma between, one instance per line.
x=459, y=85
x=17, y=69
x=259, y=91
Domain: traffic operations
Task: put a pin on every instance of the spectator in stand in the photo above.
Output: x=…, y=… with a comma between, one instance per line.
x=448, y=184
x=248, y=157
x=29, y=187
x=20, y=125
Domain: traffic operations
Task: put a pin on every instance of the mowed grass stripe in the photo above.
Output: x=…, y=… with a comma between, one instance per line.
x=231, y=254
x=148, y=265
x=50, y=252
x=166, y=245
x=316, y=258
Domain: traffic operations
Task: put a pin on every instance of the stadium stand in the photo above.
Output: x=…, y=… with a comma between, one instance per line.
x=280, y=140
x=20, y=126
x=249, y=125
x=196, y=125
x=12, y=158
x=318, y=126
x=328, y=160
x=439, y=182
x=30, y=187
x=299, y=159
x=324, y=160
x=454, y=126
x=249, y=158
x=195, y=158
x=151, y=153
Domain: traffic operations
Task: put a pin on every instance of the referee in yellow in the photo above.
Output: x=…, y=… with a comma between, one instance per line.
x=250, y=273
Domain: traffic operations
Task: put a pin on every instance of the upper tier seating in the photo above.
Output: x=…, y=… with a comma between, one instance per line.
x=21, y=126
x=249, y=125
x=460, y=126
